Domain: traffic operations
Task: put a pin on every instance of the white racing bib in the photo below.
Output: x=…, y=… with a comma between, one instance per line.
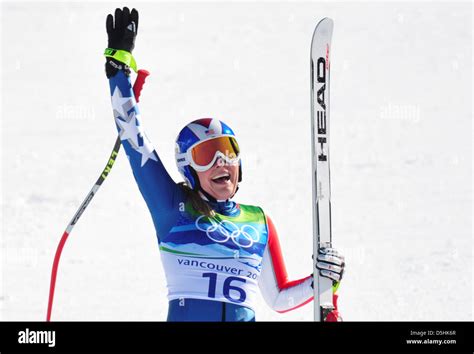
x=215, y=258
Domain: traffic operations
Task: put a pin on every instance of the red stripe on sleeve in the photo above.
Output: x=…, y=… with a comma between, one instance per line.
x=277, y=258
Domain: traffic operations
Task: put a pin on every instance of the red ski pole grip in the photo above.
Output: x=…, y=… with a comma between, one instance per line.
x=139, y=82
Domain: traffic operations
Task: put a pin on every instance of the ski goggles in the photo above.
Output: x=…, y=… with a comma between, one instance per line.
x=203, y=155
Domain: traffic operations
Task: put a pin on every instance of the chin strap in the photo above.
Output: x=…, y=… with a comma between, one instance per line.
x=236, y=189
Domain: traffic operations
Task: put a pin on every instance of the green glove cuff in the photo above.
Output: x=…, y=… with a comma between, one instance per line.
x=335, y=286
x=122, y=56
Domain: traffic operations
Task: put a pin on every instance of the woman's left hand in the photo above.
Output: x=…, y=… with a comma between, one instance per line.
x=330, y=264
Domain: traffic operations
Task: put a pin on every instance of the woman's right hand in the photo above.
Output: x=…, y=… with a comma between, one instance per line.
x=123, y=31
x=122, y=28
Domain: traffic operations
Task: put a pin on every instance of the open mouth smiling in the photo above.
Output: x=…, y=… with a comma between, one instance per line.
x=221, y=178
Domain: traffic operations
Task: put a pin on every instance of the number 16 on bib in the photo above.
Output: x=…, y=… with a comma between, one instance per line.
x=320, y=66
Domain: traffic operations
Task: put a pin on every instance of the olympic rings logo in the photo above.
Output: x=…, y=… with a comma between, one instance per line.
x=222, y=231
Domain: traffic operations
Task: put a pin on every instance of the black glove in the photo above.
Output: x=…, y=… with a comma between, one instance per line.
x=123, y=32
x=121, y=36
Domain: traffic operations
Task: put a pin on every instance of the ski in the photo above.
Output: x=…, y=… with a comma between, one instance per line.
x=320, y=114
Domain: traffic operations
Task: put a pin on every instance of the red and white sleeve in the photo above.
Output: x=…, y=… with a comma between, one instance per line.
x=281, y=294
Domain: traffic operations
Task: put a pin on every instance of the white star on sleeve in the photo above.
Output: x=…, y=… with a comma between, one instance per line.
x=147, y=151
x=121, y=105
x=130, y=130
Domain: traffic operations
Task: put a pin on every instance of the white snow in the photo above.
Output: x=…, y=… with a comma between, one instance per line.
x=401, y=153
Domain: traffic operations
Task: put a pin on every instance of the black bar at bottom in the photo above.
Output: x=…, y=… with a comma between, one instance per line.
x=288, y=337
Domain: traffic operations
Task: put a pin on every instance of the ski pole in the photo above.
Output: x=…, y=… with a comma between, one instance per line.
x=137, y=88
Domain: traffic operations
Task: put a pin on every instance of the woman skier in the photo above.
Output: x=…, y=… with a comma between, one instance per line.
x=217, y=254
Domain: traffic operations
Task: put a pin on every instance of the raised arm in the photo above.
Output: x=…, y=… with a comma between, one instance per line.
x=154, y=182
x=156, y=185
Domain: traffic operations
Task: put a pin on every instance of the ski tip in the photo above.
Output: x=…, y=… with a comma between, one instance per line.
x=326, y=20
x=324, y=25
x=323, y=30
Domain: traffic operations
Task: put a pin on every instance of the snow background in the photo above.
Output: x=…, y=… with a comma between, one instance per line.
x=401, y=150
